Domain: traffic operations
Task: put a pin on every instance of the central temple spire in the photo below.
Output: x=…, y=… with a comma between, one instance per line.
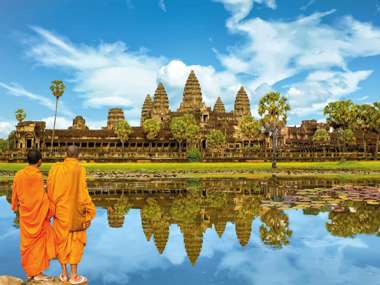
x=160, y=101
x=192, y=95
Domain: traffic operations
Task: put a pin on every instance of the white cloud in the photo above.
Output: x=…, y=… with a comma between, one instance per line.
x=271, y=51
x=6, y=128
x=19, y=91
x=321, y=87
x=106, y=75
x=241, y=8
x=161, y=4
x=61, y=123
x=213, y=83
x=275, y=50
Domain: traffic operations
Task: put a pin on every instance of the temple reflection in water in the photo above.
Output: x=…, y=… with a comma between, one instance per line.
x=198, y=205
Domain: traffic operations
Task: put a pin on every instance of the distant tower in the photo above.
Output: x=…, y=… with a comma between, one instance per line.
x=115, y=115
x=219, y=106
x=193, y=239
x=220, y=227
x=146, y=226
x=242, y=105
x=146, y=111
x=79, y=123
x=160, y=103
x=161, y=235
x=243, y=230
x=192, y=95
x=115, y=219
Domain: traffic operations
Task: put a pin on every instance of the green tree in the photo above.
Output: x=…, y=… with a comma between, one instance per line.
x=345, y=137
x=340, y=114
x=184, y=128
x=365, y=115
x=216, y=141
x=152, y=128
x=273, y=110
x=249, y=127
x=12, y=140
x=20, y=115
x=194, y=154
x=322, y=137
x=3, y=145
x=57, y=88
x=376, y=125
x=123, y=130
x=275, y=228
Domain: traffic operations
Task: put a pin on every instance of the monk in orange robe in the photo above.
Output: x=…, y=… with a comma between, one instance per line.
x=67, y=188
x=35, y=210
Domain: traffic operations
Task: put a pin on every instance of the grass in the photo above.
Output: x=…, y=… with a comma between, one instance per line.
x=214, y=167
x=263, y=176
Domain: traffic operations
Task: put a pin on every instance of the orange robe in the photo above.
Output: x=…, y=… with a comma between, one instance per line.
x=63, y=183
x=35, y=210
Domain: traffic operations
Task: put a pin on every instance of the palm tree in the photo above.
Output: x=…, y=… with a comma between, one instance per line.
x=57, y=88
x=20, y=115
x=273, y=110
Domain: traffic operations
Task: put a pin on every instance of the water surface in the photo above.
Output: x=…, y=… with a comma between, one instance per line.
x=222, y=232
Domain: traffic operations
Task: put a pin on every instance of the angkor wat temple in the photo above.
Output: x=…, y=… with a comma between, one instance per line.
x=103, y=144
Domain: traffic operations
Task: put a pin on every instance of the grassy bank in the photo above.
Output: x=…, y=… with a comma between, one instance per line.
x=349, y=177
x=217, y=167
x=263, y=176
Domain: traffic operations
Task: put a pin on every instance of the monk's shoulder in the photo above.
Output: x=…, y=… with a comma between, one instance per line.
x=19, y=174
x=56, y=167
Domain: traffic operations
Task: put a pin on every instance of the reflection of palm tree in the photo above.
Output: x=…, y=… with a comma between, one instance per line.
x=275, y=228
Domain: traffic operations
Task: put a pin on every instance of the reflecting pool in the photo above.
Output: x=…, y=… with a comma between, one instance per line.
x=223, y=231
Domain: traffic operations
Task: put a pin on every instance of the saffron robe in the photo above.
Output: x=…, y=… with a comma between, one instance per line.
x=62, y=190
x=35, y=210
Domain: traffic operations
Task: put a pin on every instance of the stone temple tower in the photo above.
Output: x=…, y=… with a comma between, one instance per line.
x=114, y=116
x=219, y=106
x=147, y=109
x=192, y=95
x=160, y=103
x=242, y=105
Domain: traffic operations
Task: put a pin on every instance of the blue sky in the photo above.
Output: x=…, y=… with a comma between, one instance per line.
x=111, y=53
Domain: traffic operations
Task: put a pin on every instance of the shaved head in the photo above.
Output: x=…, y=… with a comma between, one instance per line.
x=72, y=151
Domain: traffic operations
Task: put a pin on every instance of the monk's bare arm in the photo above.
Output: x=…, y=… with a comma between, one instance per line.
x=91, y=210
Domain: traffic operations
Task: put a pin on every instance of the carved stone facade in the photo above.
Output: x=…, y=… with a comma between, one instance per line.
x=295, y=143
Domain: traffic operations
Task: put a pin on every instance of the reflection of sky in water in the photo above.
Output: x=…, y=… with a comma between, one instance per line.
x=124, y=256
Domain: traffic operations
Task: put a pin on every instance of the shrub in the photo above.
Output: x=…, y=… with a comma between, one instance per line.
x=194, y=154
